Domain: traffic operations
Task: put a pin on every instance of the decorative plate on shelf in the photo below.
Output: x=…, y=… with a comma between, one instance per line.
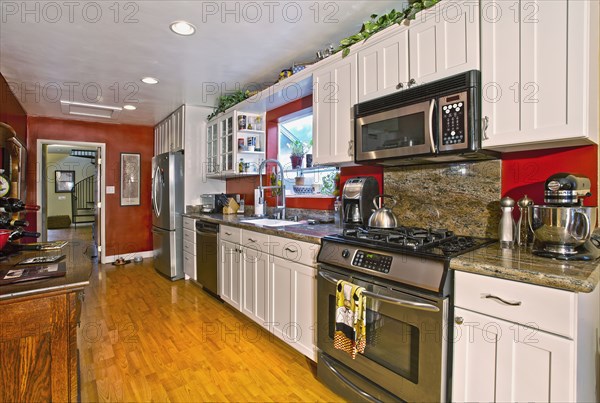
x=303, y=190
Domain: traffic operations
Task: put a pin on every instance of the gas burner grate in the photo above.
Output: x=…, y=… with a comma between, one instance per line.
x=406, y=237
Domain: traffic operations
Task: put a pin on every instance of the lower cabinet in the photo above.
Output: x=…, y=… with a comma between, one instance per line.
x=500, y=361
x=293, y=316
x=276, y=289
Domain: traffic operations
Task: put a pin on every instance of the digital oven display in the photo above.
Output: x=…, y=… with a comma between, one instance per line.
x=372, y=261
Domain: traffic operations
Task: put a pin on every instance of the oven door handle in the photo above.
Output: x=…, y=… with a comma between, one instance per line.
x=423, y=306
x=347, y=381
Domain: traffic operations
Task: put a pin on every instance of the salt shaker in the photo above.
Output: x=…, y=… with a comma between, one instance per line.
x=524, y=234
x=506, y=230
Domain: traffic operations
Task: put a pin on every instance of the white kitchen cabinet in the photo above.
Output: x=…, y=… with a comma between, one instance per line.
x=444, y=41
x=169, y=133
x=293, y=316
x=334, y=95
x=233, y=138
x=539, y=73
x=231, y=274
x=383, y=67
x=255, y=284
x=521, y=342
x=189, y=248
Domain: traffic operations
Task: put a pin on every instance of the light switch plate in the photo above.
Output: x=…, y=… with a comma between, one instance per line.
x=62, y=197
x=110, y=190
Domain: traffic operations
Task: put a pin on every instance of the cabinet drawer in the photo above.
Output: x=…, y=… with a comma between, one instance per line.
x=540, y=307
x=255, y=240
x=189, y=223
x=189, y=236
x=189, y=265
x=296, y=251
x=189, y=247
x=230, y=234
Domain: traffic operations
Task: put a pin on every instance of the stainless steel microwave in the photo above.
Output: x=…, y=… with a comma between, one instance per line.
x=433, y=122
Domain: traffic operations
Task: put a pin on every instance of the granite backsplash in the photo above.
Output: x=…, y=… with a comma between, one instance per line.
x=464, y=197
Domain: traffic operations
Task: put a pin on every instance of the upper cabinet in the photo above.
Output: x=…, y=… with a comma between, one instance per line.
x=334, y=95
x=539, y=73
x=169, y=133
x=442, y=41
x=235, y=144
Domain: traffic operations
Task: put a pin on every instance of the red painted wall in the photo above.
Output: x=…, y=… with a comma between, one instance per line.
x=11, y=111
x=128, y=229
x=525, y=172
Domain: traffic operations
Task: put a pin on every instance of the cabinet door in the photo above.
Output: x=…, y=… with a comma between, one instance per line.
x=293, y=309
x=255, y=285
x=444, y=41
x=383, y=67
x=334, y=95
x=495, y=360
x=230, y=273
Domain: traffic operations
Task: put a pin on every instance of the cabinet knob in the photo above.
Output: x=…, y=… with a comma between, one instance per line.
x=459, y=320
x=399, y=86
x=411, y=82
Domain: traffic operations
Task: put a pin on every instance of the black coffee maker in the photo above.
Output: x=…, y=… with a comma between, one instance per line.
x=357, y=200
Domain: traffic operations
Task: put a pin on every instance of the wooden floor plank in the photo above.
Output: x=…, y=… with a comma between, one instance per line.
x=144, y=338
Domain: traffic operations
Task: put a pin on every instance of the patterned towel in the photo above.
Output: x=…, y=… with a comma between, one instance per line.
x=350, y=323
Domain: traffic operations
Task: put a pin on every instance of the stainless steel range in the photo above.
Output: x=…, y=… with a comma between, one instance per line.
x=405, y=275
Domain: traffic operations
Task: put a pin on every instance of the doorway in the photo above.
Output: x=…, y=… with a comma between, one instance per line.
x=70, y=193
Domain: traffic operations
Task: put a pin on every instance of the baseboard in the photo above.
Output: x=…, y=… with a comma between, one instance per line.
x=129, y=256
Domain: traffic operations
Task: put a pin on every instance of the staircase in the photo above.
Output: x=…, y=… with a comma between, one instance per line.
x=83, y=204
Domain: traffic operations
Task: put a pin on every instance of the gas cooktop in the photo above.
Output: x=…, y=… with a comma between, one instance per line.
x=434, y=242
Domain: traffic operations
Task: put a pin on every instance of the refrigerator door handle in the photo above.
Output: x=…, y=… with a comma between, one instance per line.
x=158, y=182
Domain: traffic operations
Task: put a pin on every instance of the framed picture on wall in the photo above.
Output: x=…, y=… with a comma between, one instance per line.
x=130, y=179
x=64, y=181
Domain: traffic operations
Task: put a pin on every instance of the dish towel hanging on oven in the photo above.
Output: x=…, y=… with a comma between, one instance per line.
x=350, y=324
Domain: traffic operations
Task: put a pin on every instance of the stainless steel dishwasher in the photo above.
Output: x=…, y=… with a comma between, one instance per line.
x=206, y=256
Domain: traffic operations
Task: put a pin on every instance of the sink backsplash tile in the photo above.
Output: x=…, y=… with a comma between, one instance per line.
x=464, y=197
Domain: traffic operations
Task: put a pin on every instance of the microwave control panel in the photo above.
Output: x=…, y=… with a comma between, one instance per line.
x=453, y=121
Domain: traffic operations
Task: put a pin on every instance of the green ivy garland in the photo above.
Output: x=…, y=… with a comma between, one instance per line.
x=227, y=101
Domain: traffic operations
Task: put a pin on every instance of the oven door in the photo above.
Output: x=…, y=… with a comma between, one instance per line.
x=406, y=338
x=399, y=132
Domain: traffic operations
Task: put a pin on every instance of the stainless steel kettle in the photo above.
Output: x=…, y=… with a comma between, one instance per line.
x=382, y=216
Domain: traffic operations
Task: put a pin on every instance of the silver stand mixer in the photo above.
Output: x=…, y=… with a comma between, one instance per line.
x=563, y=228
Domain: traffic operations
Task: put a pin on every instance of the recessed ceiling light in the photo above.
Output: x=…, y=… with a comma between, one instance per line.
x=149, y=80
x=129, y=107
x=182, y=28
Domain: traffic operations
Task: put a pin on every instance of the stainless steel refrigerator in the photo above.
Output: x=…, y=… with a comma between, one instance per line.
x=167, y=210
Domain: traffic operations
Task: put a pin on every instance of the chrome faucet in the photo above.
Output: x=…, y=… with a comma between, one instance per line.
x=280, y=208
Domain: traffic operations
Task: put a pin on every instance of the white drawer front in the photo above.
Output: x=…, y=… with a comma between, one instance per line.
x=189, y=223
x=189, y=236
x=189, y=247
x=230, y=234
x=296, y=251
x=189, y=265
x=255, y=240
x=535, y=306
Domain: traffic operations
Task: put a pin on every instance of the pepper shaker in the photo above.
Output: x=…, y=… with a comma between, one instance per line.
x=506, y=229
x=524, y=234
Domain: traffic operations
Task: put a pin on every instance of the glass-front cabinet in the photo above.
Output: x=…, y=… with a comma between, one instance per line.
x=235, y=144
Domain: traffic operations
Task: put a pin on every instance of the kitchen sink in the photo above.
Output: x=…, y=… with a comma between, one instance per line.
x=268, y=222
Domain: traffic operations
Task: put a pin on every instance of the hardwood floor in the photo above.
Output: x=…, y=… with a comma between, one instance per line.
x=144, y=338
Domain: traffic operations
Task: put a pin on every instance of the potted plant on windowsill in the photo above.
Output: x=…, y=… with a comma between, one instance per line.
x=299, y=149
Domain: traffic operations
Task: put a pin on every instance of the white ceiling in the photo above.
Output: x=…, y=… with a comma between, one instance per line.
x=76, y=51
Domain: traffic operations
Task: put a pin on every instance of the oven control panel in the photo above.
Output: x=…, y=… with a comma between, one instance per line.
x=372, y=261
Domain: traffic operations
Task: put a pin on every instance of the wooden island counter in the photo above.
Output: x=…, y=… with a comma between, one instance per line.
x=38, y=330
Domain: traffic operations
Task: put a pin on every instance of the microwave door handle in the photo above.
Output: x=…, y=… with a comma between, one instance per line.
x=431, y=110
x=396, y=301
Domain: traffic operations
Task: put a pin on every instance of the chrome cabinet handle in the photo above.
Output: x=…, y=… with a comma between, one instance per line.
x=503, y=301
x=252, y=239
x=485, y=122
x=411, y=82
x=291, y=250
x=459, y=320
x=399, y=86
x=227, y=233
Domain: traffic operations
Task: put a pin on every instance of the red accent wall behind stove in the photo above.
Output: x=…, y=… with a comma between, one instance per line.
x=128, y=229
x=526, y=172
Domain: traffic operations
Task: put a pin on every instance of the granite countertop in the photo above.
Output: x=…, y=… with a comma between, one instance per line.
x=79, y=269
x=301, y=232
x=523, y=266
